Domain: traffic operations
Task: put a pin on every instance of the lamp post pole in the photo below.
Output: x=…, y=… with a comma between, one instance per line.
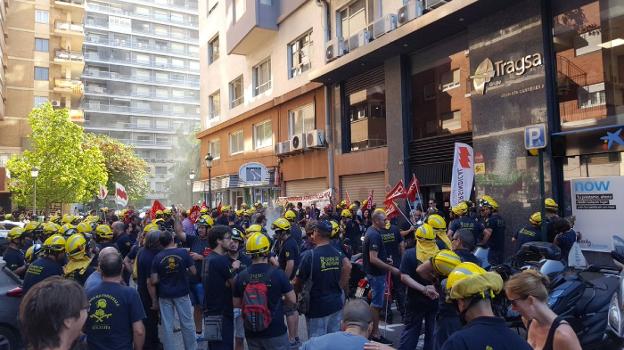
x=34, y=173
x=208, y=159
x=191, y=177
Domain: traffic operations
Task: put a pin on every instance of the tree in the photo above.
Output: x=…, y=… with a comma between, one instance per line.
x=122, y=164
x=186, y=152
x=69, y=170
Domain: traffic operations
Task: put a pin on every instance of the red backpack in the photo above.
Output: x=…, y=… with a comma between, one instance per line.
x=255, y=311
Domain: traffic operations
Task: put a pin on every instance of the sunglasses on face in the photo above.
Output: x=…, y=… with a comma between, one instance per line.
x=514, y=302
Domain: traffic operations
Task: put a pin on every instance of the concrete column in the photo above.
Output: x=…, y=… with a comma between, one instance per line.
x=397, y=119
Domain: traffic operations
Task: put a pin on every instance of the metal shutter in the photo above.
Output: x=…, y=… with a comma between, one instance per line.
x=431, y=159
x=366, y=80
x=359, y=186
x=305, y=187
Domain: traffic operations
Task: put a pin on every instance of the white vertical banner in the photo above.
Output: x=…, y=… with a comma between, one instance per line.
x=121, y=196
x=463, y=173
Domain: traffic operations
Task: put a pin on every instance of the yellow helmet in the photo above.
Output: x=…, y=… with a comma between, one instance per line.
x=257, y=243
x=76, y=246
x=84, y=228
x=32, y=252
x=225, y=208
x=460, y=209
x=425, y=231
x=67, y=219
x=445, y=261
x=255, y=228
x=346, y=213
x=54, y=243
x=437, y=222
x=50, y=228
x=205, y=220
x=239, y=212
x=203, y=210
x=32, y=226
x=103, y=232
x=151, y=227
x=244, y=205
x=290, y=215
x=68, y=230
x=536, y=218
x=281, y=224
x=15, y=233
x=159, y=213
x=247, y=212
x=353, y=206
x=487, y=201
x=335, y=229
x=55, y=219
x=468, y=280
x=550, y=204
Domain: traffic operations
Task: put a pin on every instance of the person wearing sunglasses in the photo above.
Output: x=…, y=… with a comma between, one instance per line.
x=528, y=294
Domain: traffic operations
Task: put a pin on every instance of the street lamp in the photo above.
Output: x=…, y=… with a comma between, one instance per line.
x=34, y=173
x=191, y=177
x=208, y=159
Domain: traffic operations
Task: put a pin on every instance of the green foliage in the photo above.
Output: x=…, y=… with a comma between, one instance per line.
x=122, y=165
x=69, y=170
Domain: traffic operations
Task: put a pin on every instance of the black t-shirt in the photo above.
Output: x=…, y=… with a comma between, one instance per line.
x=409, y=240
x=415, y=300
x=289, y=250
x=296, y=233
x=497, y=224
x=467, y=256
x=113, y=310
x=392, y=239
x=373, y=242
x=39, y=270
x=199, y=246
x=245, y=262
x=222, y=220
x=326, y=294
x=171, y=266
x=14, y=258
x=144, y=257
x=485, y=333
x=278, y=285
x=353, y=233
x=125, y=243
x=217, y=270
x=469, y=223
x=527, y=234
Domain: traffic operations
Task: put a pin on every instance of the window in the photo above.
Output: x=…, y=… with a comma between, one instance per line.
x=263, y=135
x=41, y=73
x=39, y=100
x=299, y=55
x=451, y=120
x=236, y=142
x=142, y=90
x=42, y=16
x=236, y=92
x=352, y=19
x=162, y=124
x=41, y=45
x=160, y=170
x=214, y=105
x=144, y=123
x=262, y=77
x=588, y=42
x=214, y=148
x=301, y=120
x=177, y=63
x=592, y=96
x=213, y=49
x=160, y=186
x=142, y=58
x=238, y=10
x=211, y=5
x=449, y=80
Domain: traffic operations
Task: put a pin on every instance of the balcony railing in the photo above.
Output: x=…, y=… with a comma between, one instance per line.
x=106, y=108
x=70, y=85
x=135, y=31
x=146, y=142
x=142, y=79
x=69, y=27
x=105, y=91
x=73, y=56
x=69, y=2
x=133, y=126
x=152, y=64
x=139, y=46
x=123, y=12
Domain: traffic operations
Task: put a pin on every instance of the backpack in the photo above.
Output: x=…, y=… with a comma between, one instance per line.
x=255, y=311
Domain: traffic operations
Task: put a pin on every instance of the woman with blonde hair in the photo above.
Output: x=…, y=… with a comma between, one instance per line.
x=528, y=294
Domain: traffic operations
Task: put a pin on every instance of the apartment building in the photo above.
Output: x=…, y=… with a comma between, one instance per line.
x=142, y=78
x=42, y=61
x=258, y=105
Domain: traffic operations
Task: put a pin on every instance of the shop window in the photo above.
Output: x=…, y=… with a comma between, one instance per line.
x=367, y=117
x=236, y=92
x=262, y=77
x=214, y=105
x=237, y=144
x=449, y=80
x=213, y=49
x=263, y=134
x=299, y=55
x=301, y=120
x=214, y=147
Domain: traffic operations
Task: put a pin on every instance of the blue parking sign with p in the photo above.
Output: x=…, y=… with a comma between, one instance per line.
x=535, y=137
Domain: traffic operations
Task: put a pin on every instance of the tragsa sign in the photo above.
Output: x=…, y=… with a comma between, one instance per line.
x=253, y=173
x=598, y=205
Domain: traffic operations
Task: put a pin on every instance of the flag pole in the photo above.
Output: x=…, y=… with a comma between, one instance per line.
x=401, y=211
x=418, y=194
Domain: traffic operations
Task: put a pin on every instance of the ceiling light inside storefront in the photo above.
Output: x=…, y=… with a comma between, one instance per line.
x=612, y=43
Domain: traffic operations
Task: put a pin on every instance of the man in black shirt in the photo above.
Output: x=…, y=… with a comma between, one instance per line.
x=49, y=264
x=391, y=237
x=494, y=233
x=13, y=255
x=351, y=231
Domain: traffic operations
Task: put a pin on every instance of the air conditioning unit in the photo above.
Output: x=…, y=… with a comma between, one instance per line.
x=315, y=138
x=410, y=11
x=282, y=148
x=434, y=4
x=384, y=25
x=360, y=39
x=56, y=103
x=297, y=143
x=334, y=49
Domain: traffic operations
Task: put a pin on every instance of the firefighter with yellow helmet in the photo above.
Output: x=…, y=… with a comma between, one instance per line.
x=463, y=220
x=49, y=263
x=529, y=233
x=13, y=254
x=494, y=232
x=79, y=266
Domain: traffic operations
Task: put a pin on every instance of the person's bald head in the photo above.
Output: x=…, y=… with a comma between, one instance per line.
x=111, y=264
x=107, y=251
x=466, y=238
x=118, y=228
x=357, y=313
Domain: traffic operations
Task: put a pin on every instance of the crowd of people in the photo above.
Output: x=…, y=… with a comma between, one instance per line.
x=229, y=277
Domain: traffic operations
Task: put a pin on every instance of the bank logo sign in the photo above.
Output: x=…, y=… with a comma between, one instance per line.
x=487, y=70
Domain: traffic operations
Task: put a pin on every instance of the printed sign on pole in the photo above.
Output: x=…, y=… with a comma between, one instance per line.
x=463, y=173
x=102, y=192
x=121, y=196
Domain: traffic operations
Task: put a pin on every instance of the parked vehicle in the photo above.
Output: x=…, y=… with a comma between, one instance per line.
x=10, y=297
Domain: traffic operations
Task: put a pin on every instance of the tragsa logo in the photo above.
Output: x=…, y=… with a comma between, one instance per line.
x=483, y=74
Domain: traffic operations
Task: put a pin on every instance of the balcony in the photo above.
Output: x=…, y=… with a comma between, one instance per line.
x=94, y=56
x=76, y=115
x=66, y=28
x=187, y=83
x=169, y=20
x=128, y=110
x=100, y=90
x=149, y=144
x=253, y=28
x=95, y=24
x=130, y=127
x=70, y=4
x=74, y=87
x=64, y=56
x=169, y=51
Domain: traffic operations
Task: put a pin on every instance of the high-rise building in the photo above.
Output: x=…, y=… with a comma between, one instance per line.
x=41, y=61
x=142, y=78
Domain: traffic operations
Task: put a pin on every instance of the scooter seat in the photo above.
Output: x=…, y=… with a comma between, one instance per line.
x=546, y=250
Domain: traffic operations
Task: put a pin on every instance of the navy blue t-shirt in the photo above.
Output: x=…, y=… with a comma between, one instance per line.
x=245, y=262
x=296, y=233
x=469, y=223
x=326, y=294
x=289, y=250
x=353, y=233
x=144, y=257
x=39, y=270
x=125, y=243
x=171, y=266
x=14, y=258
x=527, y=234
x=415, y=300
x=485, y=333
x=199, y=246
x=392, y=239
x=373, y=242
x=497, y=239
x=278, y=285
x=217, y=270
x=113, y=310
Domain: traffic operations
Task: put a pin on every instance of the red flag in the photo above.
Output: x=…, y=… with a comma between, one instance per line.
x=369, y=201
x=348, y=200
x=391, y=211
x=219, y=209
x=412, y=189
x=397, y=192
x=194, y=214
x=156, y=206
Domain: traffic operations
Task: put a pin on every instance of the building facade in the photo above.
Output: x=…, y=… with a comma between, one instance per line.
x=142, y=79
x=42, y=61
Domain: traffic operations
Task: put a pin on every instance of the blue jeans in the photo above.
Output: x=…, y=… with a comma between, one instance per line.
x=324, y=325
x=197, y=294
x=276, y=343
x=378, y=288
x=413, y=324
x=183, y=307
